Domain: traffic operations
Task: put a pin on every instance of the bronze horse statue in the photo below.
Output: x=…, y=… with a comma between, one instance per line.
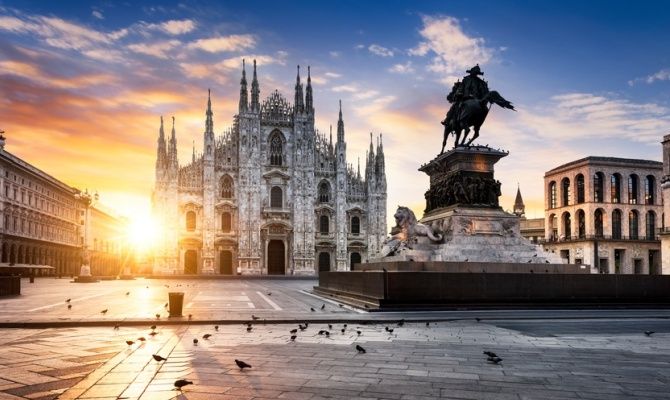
x=472, y=113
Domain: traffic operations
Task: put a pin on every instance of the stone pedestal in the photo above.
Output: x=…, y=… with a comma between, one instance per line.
x=85, y=275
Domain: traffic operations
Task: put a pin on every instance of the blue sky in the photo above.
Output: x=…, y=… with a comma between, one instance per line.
x=587, y=78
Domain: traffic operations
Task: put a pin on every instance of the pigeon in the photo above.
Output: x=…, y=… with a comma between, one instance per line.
x=153, y=327
x=68, y=300
x=293, y=331
x=466, y=260
x=158, y=358
x=180, y=383
x=401, y=323
x=127, y=293
x=649, y=333
x=158, y=316
x=494, y=360
x=478, y=319
x=546, y=261
x=360, y=349
x=312, y=309
x=327, y=334
x=129, y=342
x=302, y=327
x=345, y=325
x=249, y=328
x=206, y=336
x=216, y=328
x=340, y=304
x=269, y=293
x=490, y=353
x=141, y=339
x=255, y=318
x=323, y=306
x=321, y=332
x=343, y=330
x=330, y=326
x=103, y=312
x=427, y=324
x=195, y=342
x=358, y=333
x=366, y=306
x=389, y=330
x=190, y=317
x=153, y=333
x=242, y=364
x=293, y=337
x=116, y=327
x=69, y=306
x=166, y=305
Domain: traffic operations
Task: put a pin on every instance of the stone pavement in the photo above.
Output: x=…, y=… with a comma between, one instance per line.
x=443, y=360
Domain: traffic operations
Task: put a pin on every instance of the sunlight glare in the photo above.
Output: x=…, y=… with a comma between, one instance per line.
x=142, y=233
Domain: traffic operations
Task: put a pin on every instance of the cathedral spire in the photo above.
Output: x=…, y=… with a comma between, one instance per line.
x=519, y=207
x=309, y=100
x=255, y=92
x=209, y=122
x=299, y=104
x=193, y=155
x=161, y=156
x=331, y=137
x=244, y=102
x=172, y=149
x=340, y=126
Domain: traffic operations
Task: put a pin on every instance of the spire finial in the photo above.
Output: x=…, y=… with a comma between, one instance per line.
x=173, y=122
x=298, y=76
x=308, y=74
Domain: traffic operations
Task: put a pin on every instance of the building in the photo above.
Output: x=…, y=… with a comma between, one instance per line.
x=39, y=218
x=605, y=212
x=665, y=188
x=43, y=222
x=531, y=229
x=271, y=195
x=106, y=243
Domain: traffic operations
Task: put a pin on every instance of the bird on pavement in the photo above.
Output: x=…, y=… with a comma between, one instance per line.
x=195, y=342
x=330, y=326
x=103, y=312
x=158, y=316
x=360, y=349
x=166, y=305
x=129, y=342
x=206, y=336
x=127, y=293
x=190, y=317
x=427, y=324
x=478, y=319
x=323, y=306
x=180, y=383
x=389, y=330
x=242, y=364
x=141, y=339
x=494, y=360
x=249, y=328
x=153, y=327
x=69, y=306
x=116, y=327
x=293, y=331
x=321, y=332
x=312, y=309
x=158, y=358
x=358, y=333
x=327, y=334
x=269, y=293
x=153, y=333
x=344, y=330
x=68, y=300
x=216, y=328
x=302, y=327
x=490, y=353
x=401, y=323
x=293, y=337
x=649, y=333
x=255, y=318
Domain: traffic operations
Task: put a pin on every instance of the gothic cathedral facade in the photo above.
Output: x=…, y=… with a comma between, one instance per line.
x=271, y=195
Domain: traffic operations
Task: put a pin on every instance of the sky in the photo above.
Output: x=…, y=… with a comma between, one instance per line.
x=83, y=84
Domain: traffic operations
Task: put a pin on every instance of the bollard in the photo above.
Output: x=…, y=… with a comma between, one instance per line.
x=176, y=300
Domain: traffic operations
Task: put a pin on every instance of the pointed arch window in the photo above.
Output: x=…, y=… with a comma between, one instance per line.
x=355, y=225
x=324, y=192
x=276, y=149
x=227, y=191
x=324, y=224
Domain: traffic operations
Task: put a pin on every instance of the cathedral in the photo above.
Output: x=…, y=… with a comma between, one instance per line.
x=270, y=195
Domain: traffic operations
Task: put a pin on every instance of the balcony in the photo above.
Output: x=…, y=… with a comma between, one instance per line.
x=567, y=239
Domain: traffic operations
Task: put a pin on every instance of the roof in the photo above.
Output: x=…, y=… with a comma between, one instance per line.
x=11, y=158
x=518, y=202
x=606, y=160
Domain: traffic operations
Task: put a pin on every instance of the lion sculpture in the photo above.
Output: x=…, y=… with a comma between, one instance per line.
x=406, y=231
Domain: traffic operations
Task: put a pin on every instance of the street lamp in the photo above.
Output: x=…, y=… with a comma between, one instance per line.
x=85, y=271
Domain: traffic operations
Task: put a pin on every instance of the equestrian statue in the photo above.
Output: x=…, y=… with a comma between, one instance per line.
x=470, y=103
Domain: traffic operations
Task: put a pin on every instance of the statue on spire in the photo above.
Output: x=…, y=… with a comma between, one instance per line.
x=470, y=101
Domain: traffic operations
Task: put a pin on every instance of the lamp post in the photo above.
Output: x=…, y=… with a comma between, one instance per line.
x=85, y=271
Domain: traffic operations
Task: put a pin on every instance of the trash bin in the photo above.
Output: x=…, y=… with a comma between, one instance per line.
x=176, y=300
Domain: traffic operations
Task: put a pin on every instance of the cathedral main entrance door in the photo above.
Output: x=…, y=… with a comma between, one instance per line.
x=191, y=262
x=276, y=257
x=226, y=262
x=324, y=261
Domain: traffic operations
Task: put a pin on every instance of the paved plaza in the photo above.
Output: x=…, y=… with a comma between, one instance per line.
x=547, y=354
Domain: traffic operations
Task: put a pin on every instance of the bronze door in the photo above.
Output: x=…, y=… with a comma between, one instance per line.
x=276, y=257
x=191, y=262
x=226, y=262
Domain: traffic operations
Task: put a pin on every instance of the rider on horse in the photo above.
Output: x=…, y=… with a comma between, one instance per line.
x=472, y=87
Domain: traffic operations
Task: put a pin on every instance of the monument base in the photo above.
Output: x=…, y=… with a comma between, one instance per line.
x=85, y=279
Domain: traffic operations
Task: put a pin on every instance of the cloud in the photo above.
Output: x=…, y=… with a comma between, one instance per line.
x=662, y=75
x=334, y=54
x=157, y=49
x=178, y=27
x=332, y=75
x=35, y=74
x=405, y=68
x=224, y=43
x=452, y=50
x=380, y=50
x=97, y=14
x=344, y=88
